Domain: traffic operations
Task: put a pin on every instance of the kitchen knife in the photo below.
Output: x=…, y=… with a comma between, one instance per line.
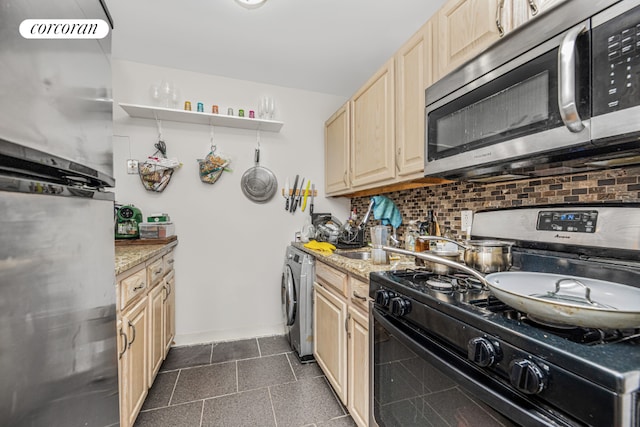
x=313, y=193
x=306, y=194
x=295, y=184
x=286, y=194
x=296, y=198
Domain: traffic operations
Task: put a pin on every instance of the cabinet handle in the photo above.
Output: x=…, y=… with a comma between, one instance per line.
x=355, y=294
x=534, y=7
x=167, y=290
x=126, y=344
x=140, y=286
x=158, y=271
x=499, y=17
x=398, y=151
x=133, y=338
x=346, y=322
x=344, y=178
x=170, y=261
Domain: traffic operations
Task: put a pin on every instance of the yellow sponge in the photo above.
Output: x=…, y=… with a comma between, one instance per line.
x=320, y=246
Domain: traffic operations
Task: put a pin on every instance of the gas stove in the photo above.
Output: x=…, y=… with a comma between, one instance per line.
x=520, y=370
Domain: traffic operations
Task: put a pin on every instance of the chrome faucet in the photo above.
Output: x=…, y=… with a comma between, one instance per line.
x=394, y=239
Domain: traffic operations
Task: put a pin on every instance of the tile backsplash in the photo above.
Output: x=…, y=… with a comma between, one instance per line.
x=447, y=200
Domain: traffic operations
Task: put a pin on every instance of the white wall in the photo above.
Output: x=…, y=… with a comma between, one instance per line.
x=231, y=251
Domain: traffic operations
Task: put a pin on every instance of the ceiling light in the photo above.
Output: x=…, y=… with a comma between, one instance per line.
x=251, y=4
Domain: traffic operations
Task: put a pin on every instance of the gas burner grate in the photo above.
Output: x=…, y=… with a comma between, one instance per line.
x=426, y=279
x=577, y=334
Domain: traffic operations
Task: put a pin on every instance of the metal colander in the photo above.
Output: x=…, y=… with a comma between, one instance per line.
x=259, y=184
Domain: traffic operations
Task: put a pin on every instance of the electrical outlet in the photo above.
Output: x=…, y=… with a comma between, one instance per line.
x=466, y=219
x=132, y=167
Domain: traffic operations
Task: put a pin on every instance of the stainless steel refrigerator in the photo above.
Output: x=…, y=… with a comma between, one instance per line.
x=58, y=355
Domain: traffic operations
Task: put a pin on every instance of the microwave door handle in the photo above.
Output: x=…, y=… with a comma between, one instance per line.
x=567, y=80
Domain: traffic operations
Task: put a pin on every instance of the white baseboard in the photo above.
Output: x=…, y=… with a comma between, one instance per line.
x=228, y=335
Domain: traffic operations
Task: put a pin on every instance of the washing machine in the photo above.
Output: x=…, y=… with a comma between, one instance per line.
x=297, y=301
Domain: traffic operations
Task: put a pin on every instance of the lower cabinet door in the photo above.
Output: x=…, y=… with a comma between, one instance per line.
x=156, y=331
x=330, y=345
x=358, y=367
x=134, y=362
x=169, y=307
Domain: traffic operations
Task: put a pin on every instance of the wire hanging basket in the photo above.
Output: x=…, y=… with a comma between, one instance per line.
x=211, y=167
x=156, y=172
x=154, y=177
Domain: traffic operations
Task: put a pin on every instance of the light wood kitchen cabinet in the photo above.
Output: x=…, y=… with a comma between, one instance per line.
x=161, y=312
x=466, y=28
x=156, y=331
x=372, y=156
x=329, y=316
x=414, y=72
x=337, y=140
x=169, y=311
x=133, y=362
x=522, y=11
x=358, y=366
x=146, y=327
x=342, y=338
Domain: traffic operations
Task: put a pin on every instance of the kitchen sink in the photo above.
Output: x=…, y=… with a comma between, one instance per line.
x=355, y=255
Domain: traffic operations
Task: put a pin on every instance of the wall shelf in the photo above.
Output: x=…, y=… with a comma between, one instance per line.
x=170, y=114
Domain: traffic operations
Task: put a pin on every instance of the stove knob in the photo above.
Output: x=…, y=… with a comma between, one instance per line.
x=527, y=377
x=482, y=352
x=383, y=297
x=400, y=306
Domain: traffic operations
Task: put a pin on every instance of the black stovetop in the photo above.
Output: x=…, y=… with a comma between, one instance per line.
x=590, y=353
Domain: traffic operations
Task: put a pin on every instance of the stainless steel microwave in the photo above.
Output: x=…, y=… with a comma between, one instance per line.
x=559, y=95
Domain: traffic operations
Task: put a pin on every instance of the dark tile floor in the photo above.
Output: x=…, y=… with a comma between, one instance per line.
x=254, y=382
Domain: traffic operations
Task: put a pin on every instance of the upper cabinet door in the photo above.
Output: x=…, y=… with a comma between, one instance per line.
x=466, y=28
x=524, y=10
x=336, y=151
x=414, y=72
x=372, y=129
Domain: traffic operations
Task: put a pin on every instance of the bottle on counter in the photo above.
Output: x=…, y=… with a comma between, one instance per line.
x=411, y=236
x=427, y=228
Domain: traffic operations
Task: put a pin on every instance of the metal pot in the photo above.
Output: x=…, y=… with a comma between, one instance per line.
x=485, y=256
x=438, y=267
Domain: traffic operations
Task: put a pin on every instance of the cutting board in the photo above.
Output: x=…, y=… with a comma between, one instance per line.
x=129, y=242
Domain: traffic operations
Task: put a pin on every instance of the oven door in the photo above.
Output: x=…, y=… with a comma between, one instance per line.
x=538, y=102
x=418, y=382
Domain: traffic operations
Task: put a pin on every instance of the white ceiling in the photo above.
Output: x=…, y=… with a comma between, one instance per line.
x=328, y=46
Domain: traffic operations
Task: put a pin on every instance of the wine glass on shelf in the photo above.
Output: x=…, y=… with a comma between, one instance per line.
x=154, y=93
x=175, y=98
x=166, y=90
x=271, y=107
x=262, y=108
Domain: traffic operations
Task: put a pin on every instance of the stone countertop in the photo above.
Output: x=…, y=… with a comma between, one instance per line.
x=128, y=257
x=358, y=268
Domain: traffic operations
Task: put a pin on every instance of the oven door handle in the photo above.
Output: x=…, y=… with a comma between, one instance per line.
x=567, y=79
x=497, y=395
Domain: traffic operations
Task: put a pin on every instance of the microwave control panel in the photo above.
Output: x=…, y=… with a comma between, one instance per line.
x=616, y=63
x=571, y=221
